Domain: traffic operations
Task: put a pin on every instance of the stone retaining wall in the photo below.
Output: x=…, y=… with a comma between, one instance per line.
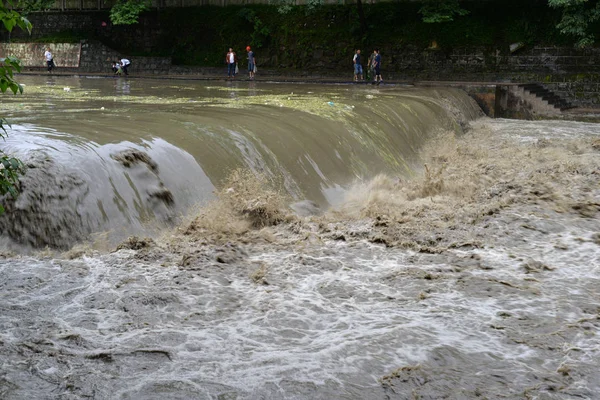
x=32, y=54
x=584, y=92
x=95, y=57
x=87, y=56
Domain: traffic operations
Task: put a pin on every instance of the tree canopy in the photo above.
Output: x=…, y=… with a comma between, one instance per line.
x=127, y=12
x=578, y=19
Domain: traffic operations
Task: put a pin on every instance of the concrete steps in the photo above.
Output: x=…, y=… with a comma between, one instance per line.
x=551, y=98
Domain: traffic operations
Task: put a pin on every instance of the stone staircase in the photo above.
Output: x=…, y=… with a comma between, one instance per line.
x=551, y=98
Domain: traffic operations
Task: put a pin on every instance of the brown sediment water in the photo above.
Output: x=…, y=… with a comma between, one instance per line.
x=184, y=140
x=459, y=259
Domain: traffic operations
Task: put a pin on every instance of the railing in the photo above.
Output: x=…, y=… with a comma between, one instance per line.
x=80, y=5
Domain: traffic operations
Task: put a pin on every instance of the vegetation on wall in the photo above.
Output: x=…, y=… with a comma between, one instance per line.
x=310, y=37
x=579, y=19
x=434, y=11
x=10, y=167
x=127, y=12
x=300, y=38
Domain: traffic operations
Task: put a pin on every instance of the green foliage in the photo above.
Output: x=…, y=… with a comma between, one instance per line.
x=286, y=6
x=260, y=31
x=10, y=167
x=578, y=19
x=435, y=11
x=312, y=40
x=28, y=6
x=11, y=19
x=127, y=12
x=7, y=80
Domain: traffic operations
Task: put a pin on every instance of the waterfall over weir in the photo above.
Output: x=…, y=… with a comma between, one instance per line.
x=124, y=157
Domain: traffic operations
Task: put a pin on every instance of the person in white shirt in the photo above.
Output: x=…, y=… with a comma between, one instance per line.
x=231, y=61
x=49, y=59
x=125, y=63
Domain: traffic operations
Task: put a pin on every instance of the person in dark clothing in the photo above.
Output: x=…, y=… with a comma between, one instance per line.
x=251, y=63
x=377, y=67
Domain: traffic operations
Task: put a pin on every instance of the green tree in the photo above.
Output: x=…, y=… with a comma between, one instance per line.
x=434, y=11
x=127, y=12
x=578, y=19
x=10, y=167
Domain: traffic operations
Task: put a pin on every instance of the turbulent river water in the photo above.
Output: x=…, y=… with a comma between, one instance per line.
x=295, y=242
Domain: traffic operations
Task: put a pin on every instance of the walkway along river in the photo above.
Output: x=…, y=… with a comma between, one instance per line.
x=428, y=252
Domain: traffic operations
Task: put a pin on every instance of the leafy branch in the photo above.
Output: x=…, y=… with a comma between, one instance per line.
x=577, y=19
x=127, y=12
x=10, y=167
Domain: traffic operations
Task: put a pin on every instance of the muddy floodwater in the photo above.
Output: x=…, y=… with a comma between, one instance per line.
x=193, y=240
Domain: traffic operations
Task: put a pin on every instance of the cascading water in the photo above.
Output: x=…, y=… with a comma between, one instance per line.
x=473, y=277
x=313, y=143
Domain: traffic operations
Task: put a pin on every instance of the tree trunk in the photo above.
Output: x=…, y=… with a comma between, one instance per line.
x=361, y=17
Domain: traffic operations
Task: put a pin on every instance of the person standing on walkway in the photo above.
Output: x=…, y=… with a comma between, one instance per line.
x=231, y=60
x=49, y=59
x=251, y=63
x=377, y=67
x=358, y=69
x=125, y=63
x=370, y=66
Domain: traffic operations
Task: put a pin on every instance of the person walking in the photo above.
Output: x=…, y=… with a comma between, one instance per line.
x=125, y=63
x=377, y=67
x=49, y=59
x=231, y=60
x=251, y=63
x=358, y=69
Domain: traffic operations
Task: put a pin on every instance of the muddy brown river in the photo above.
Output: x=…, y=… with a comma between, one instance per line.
x=194, y=240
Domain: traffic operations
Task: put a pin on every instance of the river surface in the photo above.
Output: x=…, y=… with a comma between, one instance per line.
x=428, y=252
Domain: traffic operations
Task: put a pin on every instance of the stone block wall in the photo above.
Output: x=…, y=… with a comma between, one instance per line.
x=95, y=57
x=87, y=56
x=584, y=93
x=48, y=23
x=32, y=54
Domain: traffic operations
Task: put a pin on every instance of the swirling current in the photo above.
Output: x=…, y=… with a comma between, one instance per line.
x=195, y=240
